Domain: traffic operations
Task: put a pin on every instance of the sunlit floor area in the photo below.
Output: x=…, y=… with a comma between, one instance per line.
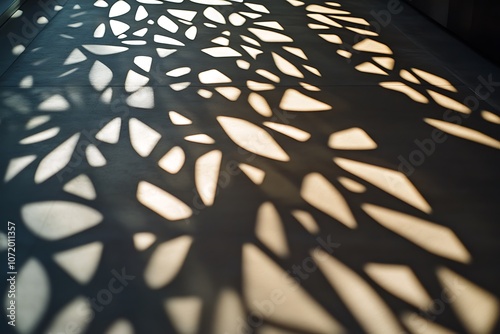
x=246, y=166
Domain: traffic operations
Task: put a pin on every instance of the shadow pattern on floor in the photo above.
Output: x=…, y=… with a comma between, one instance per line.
x=215, y=166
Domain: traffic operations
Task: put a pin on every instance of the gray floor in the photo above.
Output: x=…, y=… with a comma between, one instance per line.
x=247, y=166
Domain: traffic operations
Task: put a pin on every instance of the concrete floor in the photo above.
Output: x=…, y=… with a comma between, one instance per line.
x=246, y=166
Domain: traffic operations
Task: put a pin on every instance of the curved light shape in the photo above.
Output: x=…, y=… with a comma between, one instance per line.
x=263, y=278
x=161, y=202
x=206, y=172
x=372, y=313
x=351, y=139
x=317, y=191
x=463, y=132
x=434, y=238
x=56, y=160
x=76, y=313
x=252, y=138
x=32, y=295
x=270, y=231
x=185, y=313
x=142, y=137
x=166, y=262
x=49, y=220
x=294, y=100
x=80, y=262
x=81, y=186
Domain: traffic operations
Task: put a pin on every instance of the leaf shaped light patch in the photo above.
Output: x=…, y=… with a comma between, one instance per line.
x=252, y=138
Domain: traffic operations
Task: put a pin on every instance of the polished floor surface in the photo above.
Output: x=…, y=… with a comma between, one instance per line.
x=246, y=166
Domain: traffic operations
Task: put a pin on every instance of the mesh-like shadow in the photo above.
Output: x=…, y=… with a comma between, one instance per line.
x=212, y=166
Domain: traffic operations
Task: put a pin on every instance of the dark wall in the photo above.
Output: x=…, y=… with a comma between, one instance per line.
x=477, y=22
